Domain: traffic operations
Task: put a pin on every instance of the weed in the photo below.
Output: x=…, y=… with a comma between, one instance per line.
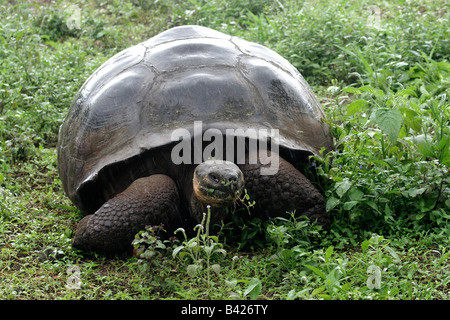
x=146, y=244
x=200, y=249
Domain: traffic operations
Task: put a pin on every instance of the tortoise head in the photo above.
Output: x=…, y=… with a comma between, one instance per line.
x=218, y=183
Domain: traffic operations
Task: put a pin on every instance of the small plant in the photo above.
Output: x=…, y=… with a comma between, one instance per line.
x=293, y=237
x=334, y=275
x=243, y=228
x=246, y=202
x=377, y=246
x=294, y=231
x=147, y=242
x=372, y=274
x=153, y=254
x=200, y=250
x=253, y=289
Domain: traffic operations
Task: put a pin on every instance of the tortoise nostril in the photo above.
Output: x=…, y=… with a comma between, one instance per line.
x=214, y=177
x=225, y=179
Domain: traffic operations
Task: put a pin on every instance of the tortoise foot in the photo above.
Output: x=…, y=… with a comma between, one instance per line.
x=111, y=229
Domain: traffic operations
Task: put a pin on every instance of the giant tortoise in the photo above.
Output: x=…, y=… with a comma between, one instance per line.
x=132, y=149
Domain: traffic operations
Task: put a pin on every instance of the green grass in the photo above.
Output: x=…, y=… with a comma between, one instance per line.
x=383, y=77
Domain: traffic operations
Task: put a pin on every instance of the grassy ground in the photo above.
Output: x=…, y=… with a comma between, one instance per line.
x=382, y=74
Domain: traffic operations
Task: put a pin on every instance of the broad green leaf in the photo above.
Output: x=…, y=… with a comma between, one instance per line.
x=318, y=290
x=253, y=289
x=383, y=163
x=331, y=278
x=413, y=192
x=406, y=92
x=192, y=269
x=424, y=91
x=393, y=254
x=446, y=160
x=444, y=148
x=222, y=251
x=444, y=144
x=365, y=245
x=192, y=243
x=214, y=238
x=177, y=250
x=400, y=64
x=328, y=253
x=349, y=205
x=183, y=254
x=390, y=122
x=291, y=295
x=412, y=119
x=355, y=107
x=324, y=296
x=231, y=284
x=352, y=90
x=345, y=287
x=409, y=113
x=160, y=245
x=332, y=202
x=372, y=204
x=355, y=194
x=387, y=210
x=416, y=124
x=19, y=35
x=216, y=268
x=427, y=149
x=372, y=90
x=317, y=271
x=365, y=62
x=342, y=187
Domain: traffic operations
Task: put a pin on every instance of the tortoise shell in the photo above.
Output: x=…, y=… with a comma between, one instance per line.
x=130, y=106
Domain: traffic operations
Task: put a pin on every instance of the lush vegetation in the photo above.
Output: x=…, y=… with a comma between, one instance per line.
x=382, y=74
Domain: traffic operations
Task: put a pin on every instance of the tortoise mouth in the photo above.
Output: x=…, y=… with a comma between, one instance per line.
x=218, y=183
